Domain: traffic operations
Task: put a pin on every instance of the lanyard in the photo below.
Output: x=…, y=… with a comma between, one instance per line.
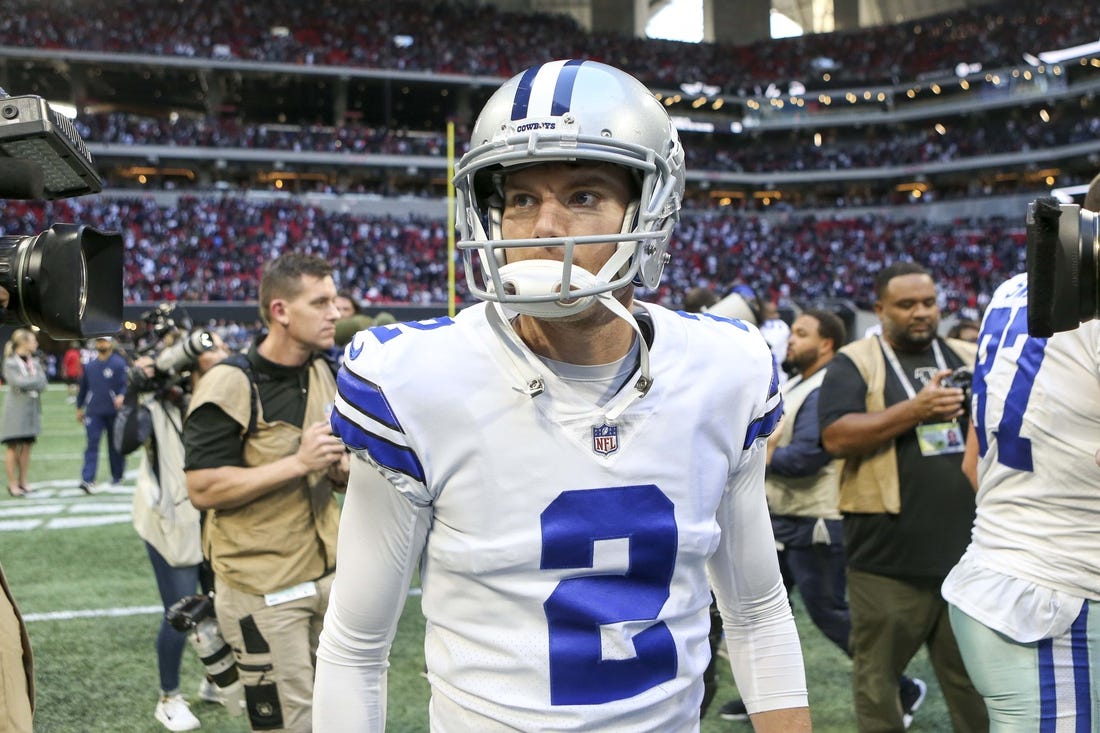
x=902, y=377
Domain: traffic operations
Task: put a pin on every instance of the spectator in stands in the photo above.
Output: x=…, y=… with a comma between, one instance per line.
x=965, y=330
x=808, y=258
x=102, y=390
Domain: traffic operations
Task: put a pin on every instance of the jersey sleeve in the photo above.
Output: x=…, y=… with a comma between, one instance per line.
x=365, y=420
x=381, y=539
x=762, y=640
x=767, y=415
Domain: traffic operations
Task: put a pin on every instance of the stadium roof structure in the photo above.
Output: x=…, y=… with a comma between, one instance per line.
x=814, y=16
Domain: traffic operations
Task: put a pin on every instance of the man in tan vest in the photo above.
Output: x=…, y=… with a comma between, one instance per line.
x=885, y=411
x=801, y=484
x=261, y=458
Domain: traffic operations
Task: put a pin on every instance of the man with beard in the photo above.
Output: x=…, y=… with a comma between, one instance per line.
x=906, y=505
x=801, y=484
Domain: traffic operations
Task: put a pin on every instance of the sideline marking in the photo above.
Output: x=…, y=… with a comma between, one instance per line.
x=92, y=613
x=114, y=612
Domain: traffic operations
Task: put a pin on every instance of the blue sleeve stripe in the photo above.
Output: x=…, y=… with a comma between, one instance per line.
x=389, y=455
x=366, y=397
x=773, y=388
x=762, y=427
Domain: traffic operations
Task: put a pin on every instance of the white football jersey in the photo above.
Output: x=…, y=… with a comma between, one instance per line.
x=565, y=574
x=1036, y=409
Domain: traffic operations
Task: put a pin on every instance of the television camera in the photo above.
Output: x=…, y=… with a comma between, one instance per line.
x=1063, y=266
x=66, y=280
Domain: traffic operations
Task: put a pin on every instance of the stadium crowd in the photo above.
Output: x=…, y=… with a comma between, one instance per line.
x=460, y=38
x=211, y=249
x=1020, y=129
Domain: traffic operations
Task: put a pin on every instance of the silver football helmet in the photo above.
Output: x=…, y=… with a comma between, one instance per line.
x=568, y=111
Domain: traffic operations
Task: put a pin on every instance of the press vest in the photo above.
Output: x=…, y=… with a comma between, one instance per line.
x=280, y=539
x=802, y=496
x=869, y=483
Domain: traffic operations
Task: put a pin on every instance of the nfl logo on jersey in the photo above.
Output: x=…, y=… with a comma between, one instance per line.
x=605, y=439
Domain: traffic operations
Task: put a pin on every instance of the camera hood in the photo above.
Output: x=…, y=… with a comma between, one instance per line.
x=64, y=280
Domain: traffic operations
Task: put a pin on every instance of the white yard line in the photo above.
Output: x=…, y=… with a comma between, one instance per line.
x=113, y=612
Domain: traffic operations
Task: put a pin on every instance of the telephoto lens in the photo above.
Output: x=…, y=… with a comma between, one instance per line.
x=183, y=354
x=195, y=616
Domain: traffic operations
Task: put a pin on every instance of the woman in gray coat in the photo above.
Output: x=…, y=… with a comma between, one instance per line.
x=21, y=423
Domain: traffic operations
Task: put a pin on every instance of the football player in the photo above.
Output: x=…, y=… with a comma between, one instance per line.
x=571, y=469
x=1025, y=597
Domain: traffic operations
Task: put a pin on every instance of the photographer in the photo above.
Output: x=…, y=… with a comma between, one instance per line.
x=152, y=419
x=886, y=409
x=261, y=456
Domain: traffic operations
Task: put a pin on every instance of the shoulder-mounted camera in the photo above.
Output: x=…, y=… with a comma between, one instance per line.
x=66, y=280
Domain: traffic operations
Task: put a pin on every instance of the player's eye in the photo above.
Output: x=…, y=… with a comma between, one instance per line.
x=519, y=200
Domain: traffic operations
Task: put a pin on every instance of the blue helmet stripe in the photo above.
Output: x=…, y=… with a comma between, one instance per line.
x=523, y=93
x=563, y=90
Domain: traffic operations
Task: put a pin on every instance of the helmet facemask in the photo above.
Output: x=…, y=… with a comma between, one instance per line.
x=632, y=130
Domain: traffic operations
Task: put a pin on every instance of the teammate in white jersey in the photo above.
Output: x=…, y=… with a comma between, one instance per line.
x=574, y=470
x=1025, y=597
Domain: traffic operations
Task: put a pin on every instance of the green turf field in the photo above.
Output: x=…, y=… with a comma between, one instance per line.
x=81, y=576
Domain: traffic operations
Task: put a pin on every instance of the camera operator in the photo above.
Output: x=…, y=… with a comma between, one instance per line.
x=152, y=419
x=16, y=661
x=1025, y=597
x=76, y=271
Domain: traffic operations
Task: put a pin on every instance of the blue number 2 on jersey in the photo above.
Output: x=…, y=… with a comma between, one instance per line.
x=578, y=607
x=1001, y=329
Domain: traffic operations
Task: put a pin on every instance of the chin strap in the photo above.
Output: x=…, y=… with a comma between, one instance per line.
x=527, y=367
x=546, y=279
x=624, y=399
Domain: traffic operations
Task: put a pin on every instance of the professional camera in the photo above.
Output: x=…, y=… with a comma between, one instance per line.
x=961, y=378
x=1063, y=257
x=67, y=280
x=175, y=347
x=194, y=615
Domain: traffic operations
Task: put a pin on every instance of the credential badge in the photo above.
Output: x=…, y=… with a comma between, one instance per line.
x=605, y=439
